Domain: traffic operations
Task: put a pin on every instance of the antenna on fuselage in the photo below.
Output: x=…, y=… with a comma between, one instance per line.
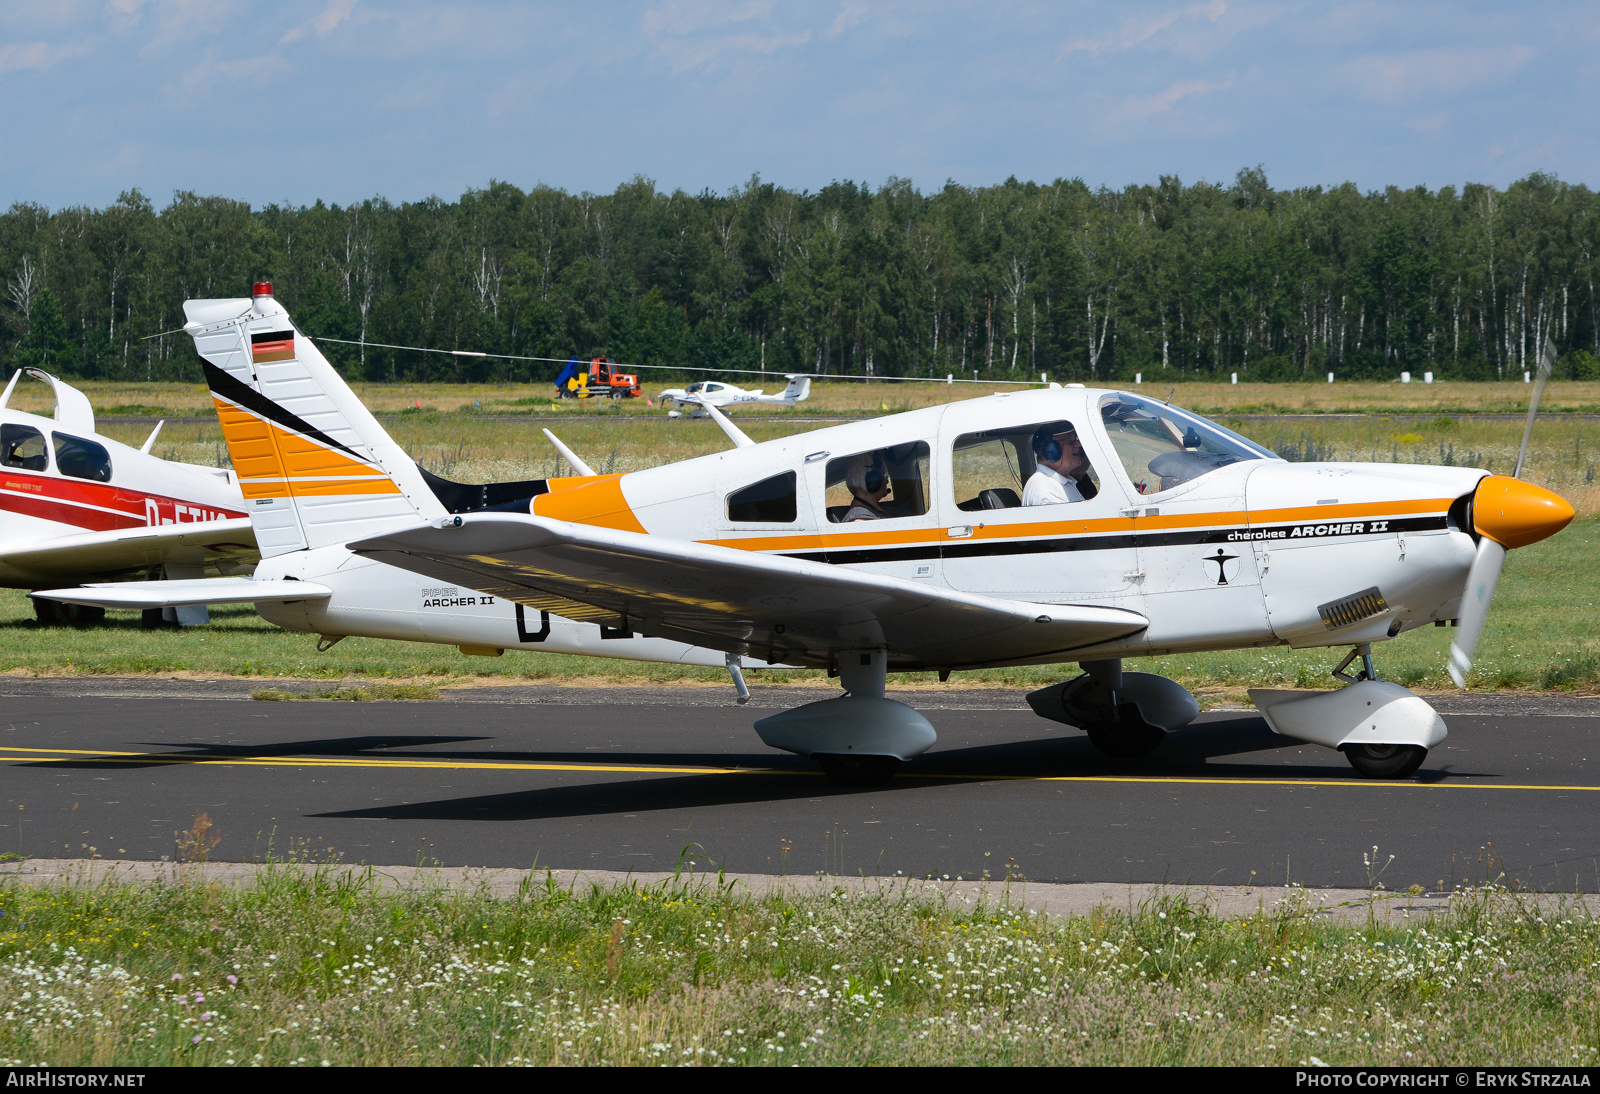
x=735, y=434
x=570, y=456
x=150, y=440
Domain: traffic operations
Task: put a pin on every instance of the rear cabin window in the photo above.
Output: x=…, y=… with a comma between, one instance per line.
x=879, y=485
x=82, y=459
x=23, y=447
x=770, y=501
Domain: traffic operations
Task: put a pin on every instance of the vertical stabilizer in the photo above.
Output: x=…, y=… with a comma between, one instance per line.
x=798, y=389
x=315, y=466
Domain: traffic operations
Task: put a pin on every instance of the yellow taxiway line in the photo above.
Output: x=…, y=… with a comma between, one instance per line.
x=70, y=755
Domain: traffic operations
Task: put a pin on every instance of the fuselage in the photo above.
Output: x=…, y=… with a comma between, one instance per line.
x=1218, y=543
x=57, y=481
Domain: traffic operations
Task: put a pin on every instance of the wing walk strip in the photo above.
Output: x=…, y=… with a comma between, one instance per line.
x=69, y=755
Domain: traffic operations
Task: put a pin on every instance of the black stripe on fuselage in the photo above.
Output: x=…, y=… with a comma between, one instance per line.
x=1283, y=534
x=225, y=386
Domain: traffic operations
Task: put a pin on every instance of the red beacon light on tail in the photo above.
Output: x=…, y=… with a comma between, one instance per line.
x=261, y=288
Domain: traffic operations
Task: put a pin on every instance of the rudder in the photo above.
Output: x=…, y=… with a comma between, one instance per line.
x=315, y=466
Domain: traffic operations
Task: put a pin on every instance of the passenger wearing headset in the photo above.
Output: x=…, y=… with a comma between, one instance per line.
x=868, y=483
x=1061, y=472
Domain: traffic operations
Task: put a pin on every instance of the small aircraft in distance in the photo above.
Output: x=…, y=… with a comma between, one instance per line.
x=723, y=395
x=1038, y=527
x=77, y=506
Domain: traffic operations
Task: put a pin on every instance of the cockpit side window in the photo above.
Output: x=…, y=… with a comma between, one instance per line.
x=23, y=447
x=993, y=469
x=82, y=459
x=879, y=485
x=1162, y=447
x=770, y=501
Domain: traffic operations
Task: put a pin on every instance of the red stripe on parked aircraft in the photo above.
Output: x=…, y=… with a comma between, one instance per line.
x=86, y=504
x=79, y=516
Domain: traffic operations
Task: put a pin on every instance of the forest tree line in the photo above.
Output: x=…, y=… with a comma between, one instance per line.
x=1005, y=281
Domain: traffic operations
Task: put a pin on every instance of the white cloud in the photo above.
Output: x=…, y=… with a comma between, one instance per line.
x=337, y=11
x=38, y=56
x=1136, y=32
x=851, y=12
x=1433, y=73
x=678, y=29
x=1140, y=108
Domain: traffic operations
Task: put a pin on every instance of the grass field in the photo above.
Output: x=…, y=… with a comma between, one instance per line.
x=1538, y=635
x=307, y=970
x=849, y=398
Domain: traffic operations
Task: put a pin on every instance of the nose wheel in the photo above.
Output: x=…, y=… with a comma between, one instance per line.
x=1385, y=761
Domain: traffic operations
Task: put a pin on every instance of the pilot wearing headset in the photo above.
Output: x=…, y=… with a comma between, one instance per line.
x=868, y=482
x=1061, y=472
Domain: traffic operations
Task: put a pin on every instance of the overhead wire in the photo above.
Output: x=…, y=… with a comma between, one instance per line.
x=952, y=379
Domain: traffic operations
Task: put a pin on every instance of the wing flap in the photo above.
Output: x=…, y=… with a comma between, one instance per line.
x=776, y=607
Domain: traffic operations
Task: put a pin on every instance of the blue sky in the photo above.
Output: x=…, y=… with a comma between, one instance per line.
x=346, y=99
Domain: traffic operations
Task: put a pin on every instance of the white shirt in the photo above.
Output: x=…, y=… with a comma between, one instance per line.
x=1047, y=487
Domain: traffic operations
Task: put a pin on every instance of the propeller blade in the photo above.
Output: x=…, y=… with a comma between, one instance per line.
x=1547, y=364
x=1481, y=582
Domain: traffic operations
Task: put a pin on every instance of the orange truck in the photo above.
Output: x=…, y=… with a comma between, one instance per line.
x=601, y=379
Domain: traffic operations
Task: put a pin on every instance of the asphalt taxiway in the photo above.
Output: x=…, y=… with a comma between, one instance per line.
x=638, y=779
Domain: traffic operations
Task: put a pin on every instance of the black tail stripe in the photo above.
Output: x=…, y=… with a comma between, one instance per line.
x=272, y=336
x=225, y=386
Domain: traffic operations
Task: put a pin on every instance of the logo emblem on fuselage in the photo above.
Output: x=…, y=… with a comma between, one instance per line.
x=1227, y=566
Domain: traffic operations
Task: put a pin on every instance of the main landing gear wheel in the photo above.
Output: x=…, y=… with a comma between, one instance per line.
x=55, y=613
x=1128, y=738
x=1385, y=761
x=858, y=770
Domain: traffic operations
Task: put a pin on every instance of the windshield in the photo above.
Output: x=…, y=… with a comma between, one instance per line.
x=1162, y=447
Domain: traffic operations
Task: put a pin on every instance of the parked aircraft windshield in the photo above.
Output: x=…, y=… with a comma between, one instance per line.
x=82, y=459
x=1162, y=447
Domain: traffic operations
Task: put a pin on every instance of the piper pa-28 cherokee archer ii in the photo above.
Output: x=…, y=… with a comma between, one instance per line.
x=76, y=506
x=903, y=544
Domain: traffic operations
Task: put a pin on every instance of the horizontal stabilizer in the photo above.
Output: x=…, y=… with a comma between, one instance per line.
x=129, y=549
x=770, y=606
x=135, y=595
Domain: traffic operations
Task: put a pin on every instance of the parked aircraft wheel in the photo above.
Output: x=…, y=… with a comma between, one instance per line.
x=1385, y=761
x=1126, y=739
x=55, y=613
x=152, y=619
x=858, y=770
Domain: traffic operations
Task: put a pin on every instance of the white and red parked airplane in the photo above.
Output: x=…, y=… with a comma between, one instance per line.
x=77, y=506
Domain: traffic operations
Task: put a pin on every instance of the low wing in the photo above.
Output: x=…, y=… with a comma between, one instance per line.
x=773, y=607
x=177, y=594
x=124, y=550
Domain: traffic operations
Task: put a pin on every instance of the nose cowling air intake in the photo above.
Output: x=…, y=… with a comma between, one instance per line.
x=1514, y=513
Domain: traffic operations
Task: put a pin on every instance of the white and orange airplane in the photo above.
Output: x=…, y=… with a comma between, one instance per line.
x=76, y=506
x=905, y=543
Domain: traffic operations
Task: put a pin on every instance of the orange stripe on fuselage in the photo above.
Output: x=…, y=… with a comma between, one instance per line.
x=1321, y=514
x=594, y=501
x=275, y=463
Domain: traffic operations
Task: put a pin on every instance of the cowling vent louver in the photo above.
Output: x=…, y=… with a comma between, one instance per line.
x=1350, y=610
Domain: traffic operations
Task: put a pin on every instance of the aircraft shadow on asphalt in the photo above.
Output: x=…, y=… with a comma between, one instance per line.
x=1188, y=752
x=188, y=753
